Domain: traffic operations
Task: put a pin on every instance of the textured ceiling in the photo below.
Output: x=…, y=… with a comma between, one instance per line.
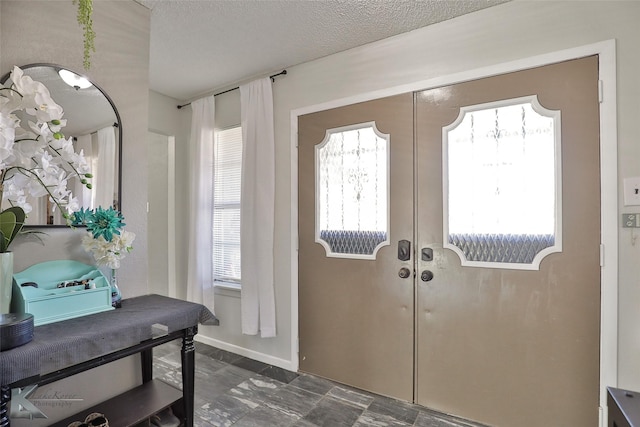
x=201, y=45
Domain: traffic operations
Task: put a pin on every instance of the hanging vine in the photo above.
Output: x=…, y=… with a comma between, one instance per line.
x=85, y=20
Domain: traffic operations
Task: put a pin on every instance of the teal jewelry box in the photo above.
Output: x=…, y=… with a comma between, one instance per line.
x=58, y=290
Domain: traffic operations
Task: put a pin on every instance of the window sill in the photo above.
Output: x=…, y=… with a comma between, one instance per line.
x=227, y=289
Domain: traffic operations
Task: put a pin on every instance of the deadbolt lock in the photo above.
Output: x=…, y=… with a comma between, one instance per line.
x=426, y=254
x=404, y=250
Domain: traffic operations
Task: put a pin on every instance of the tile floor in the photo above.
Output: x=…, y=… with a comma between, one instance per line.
x=232, y=390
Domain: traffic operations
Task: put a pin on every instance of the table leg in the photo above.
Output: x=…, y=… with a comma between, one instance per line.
x=188, y=373
x=5, y=398
x=146, y=359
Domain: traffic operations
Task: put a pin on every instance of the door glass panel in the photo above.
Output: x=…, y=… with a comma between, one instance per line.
x=352, y=197
x=502, y=184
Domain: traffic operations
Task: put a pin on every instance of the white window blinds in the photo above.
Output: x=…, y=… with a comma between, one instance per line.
x=226, y=205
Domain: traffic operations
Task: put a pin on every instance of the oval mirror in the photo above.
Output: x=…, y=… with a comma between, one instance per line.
x=94, y=123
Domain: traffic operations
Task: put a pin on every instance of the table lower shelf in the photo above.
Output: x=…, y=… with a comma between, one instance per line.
x=133, y=406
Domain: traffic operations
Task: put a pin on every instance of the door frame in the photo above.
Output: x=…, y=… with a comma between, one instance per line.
x=606, y=51
x=170, y=142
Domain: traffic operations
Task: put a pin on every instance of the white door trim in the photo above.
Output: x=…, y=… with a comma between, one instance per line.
x=608, y=187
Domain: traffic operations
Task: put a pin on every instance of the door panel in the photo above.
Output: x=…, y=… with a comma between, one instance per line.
x=509, y=347
x=356, y=315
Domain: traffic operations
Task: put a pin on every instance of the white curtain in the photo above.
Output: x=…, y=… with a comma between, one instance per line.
x=200, y=223
x=105, y=174
x=257, y=209
x=38, y=214
x=83, y=193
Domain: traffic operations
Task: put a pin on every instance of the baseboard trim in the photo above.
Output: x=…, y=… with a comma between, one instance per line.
x=251, y=354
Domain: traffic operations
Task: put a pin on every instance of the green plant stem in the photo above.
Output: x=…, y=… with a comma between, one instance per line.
x=26, y=171
x=85, y=11
x=71, y=166
x=12, y=90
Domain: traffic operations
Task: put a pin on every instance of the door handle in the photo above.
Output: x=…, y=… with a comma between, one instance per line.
x=426, y=276
x=404, y=273
x=404, y=250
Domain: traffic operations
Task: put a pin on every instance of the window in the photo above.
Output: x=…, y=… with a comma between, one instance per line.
x=226, y=206
x=352, y=191
x=502, y=175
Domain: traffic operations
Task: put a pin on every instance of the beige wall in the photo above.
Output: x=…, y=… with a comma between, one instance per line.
x=505, y=33
x=46, y=31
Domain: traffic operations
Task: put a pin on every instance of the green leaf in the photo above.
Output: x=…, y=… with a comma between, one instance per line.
x=3, y=243
x=7, y=225
x=11, y=222
x=20, y=219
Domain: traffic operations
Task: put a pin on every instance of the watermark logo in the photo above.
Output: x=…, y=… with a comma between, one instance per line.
x=24, y=404
x=23, y=408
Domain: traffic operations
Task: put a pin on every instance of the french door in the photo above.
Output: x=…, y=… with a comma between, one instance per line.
x=450, y=246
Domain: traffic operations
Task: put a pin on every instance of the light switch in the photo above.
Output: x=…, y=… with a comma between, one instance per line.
x=631, y=220
x=632, y=191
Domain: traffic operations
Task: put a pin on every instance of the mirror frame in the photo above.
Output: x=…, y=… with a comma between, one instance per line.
x=118, y=122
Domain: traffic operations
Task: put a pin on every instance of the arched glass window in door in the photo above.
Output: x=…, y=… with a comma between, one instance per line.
x=352, y=191
x=502, y=184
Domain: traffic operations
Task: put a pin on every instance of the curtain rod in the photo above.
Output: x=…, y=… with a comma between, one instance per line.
x=272, y=77
x=115, y=125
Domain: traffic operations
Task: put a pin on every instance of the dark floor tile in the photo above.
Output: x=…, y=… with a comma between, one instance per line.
x=203, y=348
x=279, y=374
x=264, y=416
x=159, y=368
x=219, y=383
x=206, y=365
x=224, y=411
x=199, y=422
x=304, y=423
x=292, y=401
x=250, y=364
x=229, y=392
x=330, y=412
x=256, y=389
x=371, y=419
x=351, y=396
x=313, y=384
x=428, y=418
x=222, y=355
x=173, y=377
x=172, y=358
x=399, y=410
x=166, y=348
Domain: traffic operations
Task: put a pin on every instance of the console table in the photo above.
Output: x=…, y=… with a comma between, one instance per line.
x=62, y=349
x=624, y=407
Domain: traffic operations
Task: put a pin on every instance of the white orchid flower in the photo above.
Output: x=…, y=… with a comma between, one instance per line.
x=35, y=160
x=7, y=136
x=73, y=205
x=16, y=196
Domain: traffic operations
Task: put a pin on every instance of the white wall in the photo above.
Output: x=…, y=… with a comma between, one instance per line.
x=505, y=33
x=46, y=31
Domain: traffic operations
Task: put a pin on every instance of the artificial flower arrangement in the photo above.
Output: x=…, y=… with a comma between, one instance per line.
x=106, y=240
x=35, y=160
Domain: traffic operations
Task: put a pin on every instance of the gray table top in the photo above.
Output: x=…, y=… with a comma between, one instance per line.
x=62, y=344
